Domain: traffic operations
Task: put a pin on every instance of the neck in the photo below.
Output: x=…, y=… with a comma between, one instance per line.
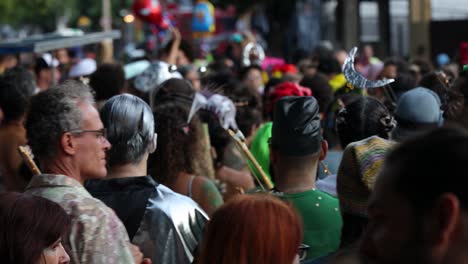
x=293, y=180
x=63, y=167
x=129, y=170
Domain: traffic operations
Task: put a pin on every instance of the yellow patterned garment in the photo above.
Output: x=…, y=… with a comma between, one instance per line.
x=360, y=165
x=96, y=235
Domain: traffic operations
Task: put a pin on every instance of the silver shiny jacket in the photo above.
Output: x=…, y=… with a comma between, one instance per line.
x=165, y=225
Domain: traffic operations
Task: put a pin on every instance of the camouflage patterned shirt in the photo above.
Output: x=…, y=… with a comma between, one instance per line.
x=96, y=235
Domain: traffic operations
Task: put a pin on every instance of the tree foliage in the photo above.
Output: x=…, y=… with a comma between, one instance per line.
x=46, y=13
x=42, y=13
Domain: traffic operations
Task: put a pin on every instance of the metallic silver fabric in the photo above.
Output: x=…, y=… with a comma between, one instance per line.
x=356, y=79
x=171, y=228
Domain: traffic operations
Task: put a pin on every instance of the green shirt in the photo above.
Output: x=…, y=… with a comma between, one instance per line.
x=261, y=150
x=321, y=220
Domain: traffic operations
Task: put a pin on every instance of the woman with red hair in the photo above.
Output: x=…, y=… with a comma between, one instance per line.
x=253, y=229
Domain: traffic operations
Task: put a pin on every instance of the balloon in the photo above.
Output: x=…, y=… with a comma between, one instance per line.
x=150, y=12
x=203, y=17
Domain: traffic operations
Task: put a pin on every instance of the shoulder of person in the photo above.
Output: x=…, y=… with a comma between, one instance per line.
x=171, y=196
x=207, y=190
x=90, y=208
x=204, y=184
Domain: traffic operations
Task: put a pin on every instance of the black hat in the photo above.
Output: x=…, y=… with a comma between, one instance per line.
x=296, y=126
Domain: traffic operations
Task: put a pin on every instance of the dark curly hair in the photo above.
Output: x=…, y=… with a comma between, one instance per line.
x=16, y=88
x=173, y=89
x=178, y=142
x=363, y=118
x=108, y=80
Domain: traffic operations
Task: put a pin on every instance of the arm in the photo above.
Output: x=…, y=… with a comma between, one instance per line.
x=235, y=177
x=172, y=56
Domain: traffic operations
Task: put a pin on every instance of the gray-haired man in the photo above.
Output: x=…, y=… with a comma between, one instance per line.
x=68, y=138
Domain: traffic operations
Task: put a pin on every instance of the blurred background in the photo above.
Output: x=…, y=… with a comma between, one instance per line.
x=287, y=29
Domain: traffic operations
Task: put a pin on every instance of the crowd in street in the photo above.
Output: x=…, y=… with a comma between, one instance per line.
x=243, y=160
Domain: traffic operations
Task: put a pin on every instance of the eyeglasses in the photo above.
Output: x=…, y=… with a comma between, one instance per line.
x=101, y=133
x=302, y=251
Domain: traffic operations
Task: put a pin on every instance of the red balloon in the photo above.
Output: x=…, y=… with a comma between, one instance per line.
x=149, y=11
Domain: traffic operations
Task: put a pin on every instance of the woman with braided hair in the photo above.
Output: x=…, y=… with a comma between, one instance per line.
x=363, y=118
x=364, y=127
x=360, y=119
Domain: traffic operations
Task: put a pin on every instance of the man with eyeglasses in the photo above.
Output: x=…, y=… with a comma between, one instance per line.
x=68, y=138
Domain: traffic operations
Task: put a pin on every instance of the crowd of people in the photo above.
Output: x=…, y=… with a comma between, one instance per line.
x=151, y=162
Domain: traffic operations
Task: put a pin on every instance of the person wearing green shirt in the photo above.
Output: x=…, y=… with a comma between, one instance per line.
x=297, y=147
x=260, y=150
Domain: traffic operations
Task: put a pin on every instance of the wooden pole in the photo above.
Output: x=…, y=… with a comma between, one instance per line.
x=107, y=47
x=252, y=159
x=26, y=155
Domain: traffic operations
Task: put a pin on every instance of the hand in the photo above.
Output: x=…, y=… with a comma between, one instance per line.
x=175, y=34
x=236, y=178
x=136, y=253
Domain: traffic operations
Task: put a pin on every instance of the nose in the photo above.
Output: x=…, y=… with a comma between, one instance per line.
x=63, y=257
x=107, y=144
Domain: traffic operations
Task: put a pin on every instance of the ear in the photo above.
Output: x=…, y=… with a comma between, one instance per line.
x=447, y=217
x=323, y=150
x=154, y=144
x=68, y=144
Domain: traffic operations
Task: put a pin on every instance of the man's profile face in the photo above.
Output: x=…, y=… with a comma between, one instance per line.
x=394, y=233
x=92, y=146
